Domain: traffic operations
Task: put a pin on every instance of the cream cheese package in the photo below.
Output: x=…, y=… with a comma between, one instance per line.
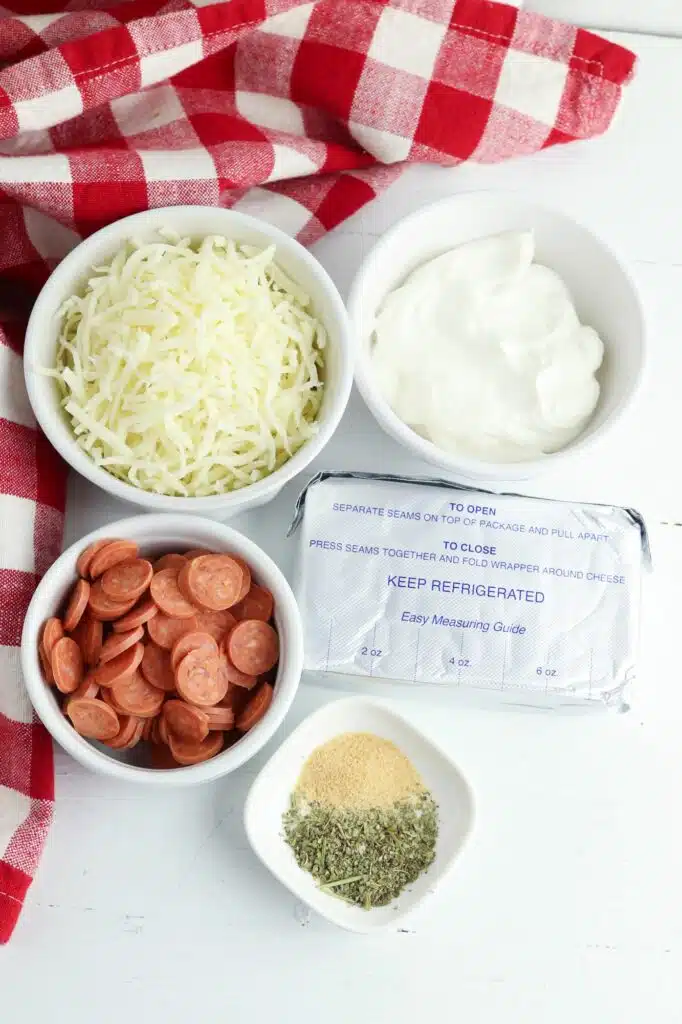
x=425, y=582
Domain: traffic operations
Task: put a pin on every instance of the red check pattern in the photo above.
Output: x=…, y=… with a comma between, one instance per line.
x=297, y=112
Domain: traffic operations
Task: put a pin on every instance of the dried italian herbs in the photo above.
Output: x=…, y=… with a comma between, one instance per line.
x=360, y=820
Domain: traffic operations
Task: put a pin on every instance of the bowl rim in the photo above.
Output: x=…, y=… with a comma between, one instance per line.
x=50, y=298
x=329, y=708
x=228, y=760
x=427, y=450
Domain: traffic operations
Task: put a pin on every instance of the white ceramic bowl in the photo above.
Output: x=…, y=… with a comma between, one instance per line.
x=604, y=295
x=157, y=534
x=197, y=222
x=269, y=798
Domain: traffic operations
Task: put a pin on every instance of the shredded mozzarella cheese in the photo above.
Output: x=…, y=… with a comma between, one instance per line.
x=190, y=370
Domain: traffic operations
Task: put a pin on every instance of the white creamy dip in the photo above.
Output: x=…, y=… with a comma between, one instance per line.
x=481, y=352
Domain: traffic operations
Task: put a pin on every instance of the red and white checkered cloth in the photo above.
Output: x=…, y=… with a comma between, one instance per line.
x=298, y=112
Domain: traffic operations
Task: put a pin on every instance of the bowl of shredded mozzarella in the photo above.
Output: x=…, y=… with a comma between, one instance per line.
x=189, y=358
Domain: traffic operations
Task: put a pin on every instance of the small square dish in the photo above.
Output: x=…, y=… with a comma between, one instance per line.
x=270, y=795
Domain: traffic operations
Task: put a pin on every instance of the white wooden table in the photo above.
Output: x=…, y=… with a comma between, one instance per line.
x=567, y=905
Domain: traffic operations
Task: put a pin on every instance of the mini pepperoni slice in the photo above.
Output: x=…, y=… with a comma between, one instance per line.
x=234, y=676
x=107, y=697
x=127, y=729
x=166, y=631
x=128, y=580
x=103, y=608
x=117, y=643
x=52, y=631
x=93, y=718
x=185, y=722
x=246, y=581
x=270, y=676
x=169, y=562
x=88, y=635
x=142, y=613
x=137, y=697
x=193, y=642
x=85, y=558
x=201, y=680
x=183, y=575
x=215, y=623
x=78, y=602
x=67, y=665
x=167, y=595
x=156, y=668
x=137, y=734
x=213, y=582
x=258, y=604
x=235, y=699
x=162, y=729
x=111, y=554
x=255, y=709
x=154, y=732
x=88, y=688
x=219, y=718
x=194, y=753
x=45, y=665
x=253, y=646
x=120, y=667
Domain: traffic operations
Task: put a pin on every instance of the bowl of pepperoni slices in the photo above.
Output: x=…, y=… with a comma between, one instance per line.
x=164, y=649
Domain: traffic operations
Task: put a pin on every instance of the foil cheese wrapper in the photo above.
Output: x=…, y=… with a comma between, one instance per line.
x=422, y=582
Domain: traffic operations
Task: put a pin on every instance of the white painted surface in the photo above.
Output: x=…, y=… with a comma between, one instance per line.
x=566, y=905
x=662, y=16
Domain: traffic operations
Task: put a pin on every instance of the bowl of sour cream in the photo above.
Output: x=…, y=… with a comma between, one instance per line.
x=495, y=337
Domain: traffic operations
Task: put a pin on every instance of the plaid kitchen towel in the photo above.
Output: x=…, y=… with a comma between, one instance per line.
x=299, y=112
